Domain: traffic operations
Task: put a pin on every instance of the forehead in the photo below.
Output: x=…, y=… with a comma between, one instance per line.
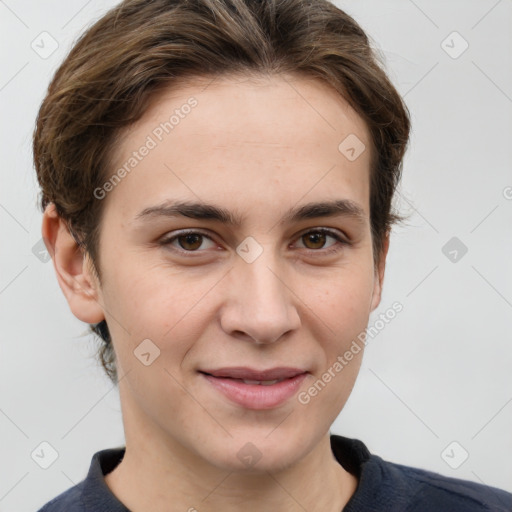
x=226, y=137
x=307, y=107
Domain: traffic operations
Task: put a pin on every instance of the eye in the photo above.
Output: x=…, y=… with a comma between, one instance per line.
x=187, y=241
x=315, y=240
x=191, y=241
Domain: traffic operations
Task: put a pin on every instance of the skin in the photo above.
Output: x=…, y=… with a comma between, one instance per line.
x=256, y=147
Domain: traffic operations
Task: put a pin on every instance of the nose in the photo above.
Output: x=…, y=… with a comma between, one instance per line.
x=261, y=305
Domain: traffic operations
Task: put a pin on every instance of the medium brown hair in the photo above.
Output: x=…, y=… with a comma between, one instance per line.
x=141, y=47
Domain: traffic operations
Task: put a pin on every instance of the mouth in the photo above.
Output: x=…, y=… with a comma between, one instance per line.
x=256, y=393
x=251, y=381
x=250, y=374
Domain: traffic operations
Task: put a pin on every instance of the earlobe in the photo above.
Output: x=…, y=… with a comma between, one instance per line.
x=379, y=273
x=75, y=278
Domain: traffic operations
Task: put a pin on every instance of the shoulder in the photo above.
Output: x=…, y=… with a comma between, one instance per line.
x=421, y=490
x=67, y=501
x=385, y=486
x=92, y=493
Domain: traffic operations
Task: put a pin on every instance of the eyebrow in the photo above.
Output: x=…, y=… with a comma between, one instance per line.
x=204, y=211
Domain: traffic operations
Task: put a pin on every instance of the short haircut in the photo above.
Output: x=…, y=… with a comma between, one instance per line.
x=142, y=47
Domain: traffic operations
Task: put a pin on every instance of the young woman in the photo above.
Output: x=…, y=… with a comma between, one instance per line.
x=217, y=179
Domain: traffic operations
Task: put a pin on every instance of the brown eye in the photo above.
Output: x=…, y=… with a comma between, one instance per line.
x=190, y=242
x=315, y=238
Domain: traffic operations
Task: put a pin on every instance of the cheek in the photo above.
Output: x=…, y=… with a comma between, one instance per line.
x=343, y=306
x=159, y=303
x=344, y=301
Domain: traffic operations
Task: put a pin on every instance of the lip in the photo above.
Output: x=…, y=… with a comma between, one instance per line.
x=244, y=372
x=256, y=396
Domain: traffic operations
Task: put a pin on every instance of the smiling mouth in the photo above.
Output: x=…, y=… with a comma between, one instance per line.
x=253, y=393
x=252, y=382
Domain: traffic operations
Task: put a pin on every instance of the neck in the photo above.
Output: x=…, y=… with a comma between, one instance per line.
x=176, y=476
x=317, y=482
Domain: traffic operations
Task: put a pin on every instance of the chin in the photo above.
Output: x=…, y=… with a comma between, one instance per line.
x=258, y=453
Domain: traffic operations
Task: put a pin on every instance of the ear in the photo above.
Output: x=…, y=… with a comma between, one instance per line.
x=73, y=268
x=379, y=273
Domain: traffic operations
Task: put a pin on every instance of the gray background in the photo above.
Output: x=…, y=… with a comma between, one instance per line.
x=438, y=373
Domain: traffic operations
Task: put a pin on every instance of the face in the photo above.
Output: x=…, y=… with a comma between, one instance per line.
x=273, y=288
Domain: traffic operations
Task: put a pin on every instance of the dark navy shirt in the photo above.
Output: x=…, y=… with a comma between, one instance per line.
x=382, y=486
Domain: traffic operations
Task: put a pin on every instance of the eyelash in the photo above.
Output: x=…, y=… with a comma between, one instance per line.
x=331, y=250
